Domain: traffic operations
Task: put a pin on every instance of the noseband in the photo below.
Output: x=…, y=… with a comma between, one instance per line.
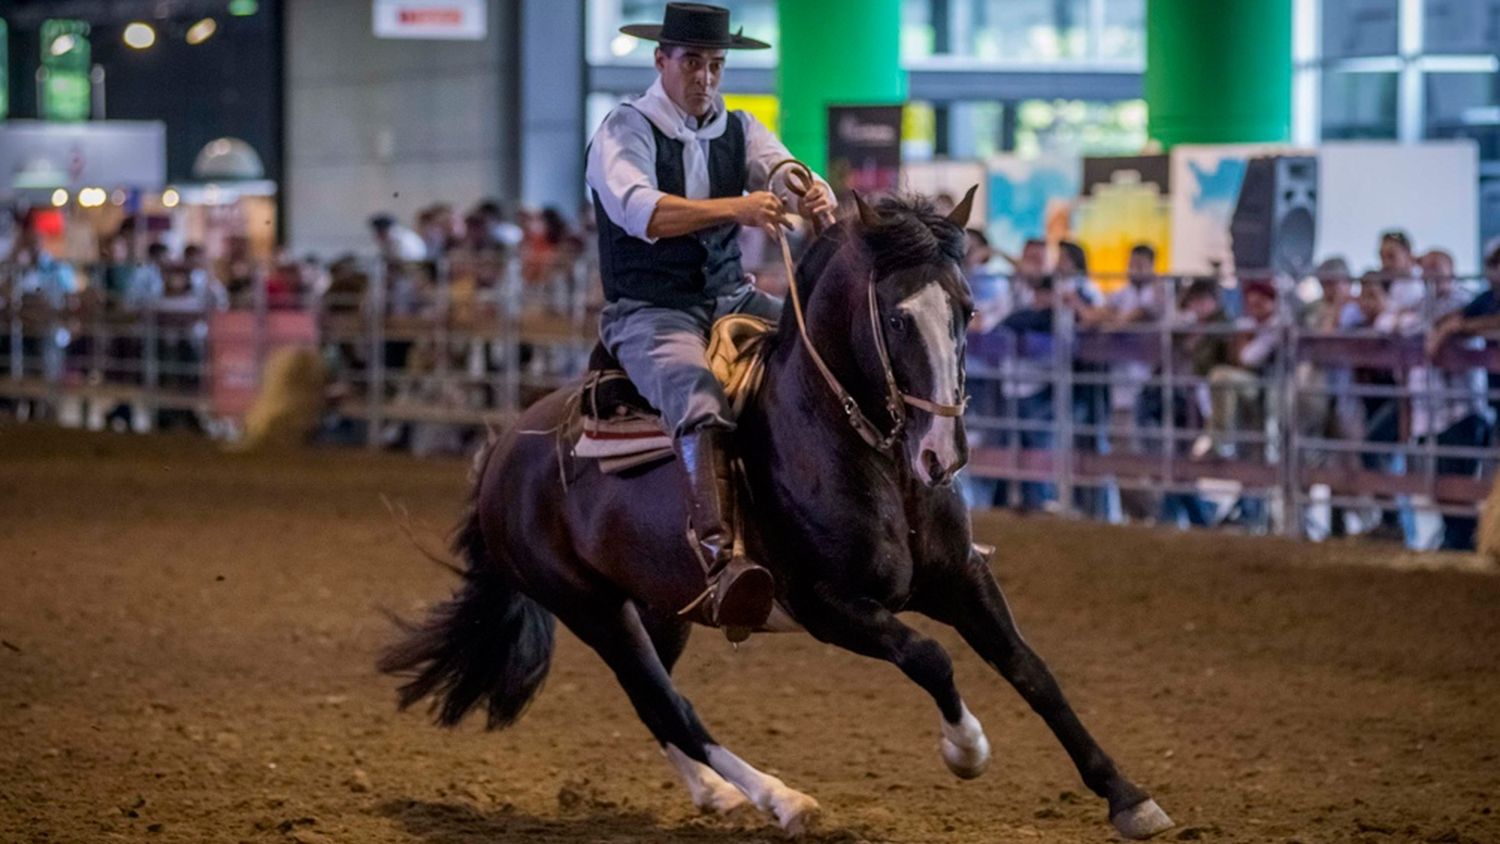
x=799, y=181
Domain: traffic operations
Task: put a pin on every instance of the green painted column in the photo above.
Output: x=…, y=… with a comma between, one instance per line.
x=834, y=52
x=1219, y=71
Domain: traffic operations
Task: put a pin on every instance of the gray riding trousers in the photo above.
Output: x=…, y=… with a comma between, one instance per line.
x=665, y=353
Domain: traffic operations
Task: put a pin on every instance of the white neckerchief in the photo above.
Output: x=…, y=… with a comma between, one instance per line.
x=673, y=122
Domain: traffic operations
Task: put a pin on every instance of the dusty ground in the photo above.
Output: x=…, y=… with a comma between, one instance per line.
x=188, y=641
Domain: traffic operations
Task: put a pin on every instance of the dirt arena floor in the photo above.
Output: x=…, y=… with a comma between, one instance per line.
x=188, y=642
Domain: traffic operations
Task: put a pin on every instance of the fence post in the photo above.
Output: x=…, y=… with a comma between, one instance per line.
x=375, y=388
x=1064, y=446
x=1168, y=393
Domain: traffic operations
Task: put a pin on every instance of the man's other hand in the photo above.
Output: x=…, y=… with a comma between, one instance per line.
x=817, y=204
x=762, y=209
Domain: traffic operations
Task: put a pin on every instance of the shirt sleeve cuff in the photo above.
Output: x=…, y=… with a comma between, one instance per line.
x=639, y=206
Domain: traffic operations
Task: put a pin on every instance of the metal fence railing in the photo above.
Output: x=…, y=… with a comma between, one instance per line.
x=1162, y=418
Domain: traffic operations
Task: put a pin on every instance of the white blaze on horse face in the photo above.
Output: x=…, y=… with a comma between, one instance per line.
x=932, y=310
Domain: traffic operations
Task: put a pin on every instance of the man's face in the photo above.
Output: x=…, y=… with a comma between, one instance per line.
x=1140, y=268
x=1438, y=269
x=1033, y=259
x=1202, y=307
x=691, y=76
x=1395, y=258
x=1335, y=286
x=1259, y=306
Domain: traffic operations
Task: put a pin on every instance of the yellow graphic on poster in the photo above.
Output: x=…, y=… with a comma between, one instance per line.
x=1115, y=218
x=763, y=107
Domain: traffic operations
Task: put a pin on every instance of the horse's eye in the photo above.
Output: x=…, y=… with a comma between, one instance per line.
x=897, y=322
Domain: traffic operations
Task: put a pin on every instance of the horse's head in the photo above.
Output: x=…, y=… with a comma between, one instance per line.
x=921, y=311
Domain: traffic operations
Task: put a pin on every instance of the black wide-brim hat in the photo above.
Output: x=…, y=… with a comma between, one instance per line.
x=695, y=25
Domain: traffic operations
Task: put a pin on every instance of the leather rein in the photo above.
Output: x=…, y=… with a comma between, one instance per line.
x=799, y=181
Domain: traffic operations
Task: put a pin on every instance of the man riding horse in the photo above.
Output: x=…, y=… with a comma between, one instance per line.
x=674, y=176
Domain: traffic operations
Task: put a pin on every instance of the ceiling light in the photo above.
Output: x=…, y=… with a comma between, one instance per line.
x=118, y=197
x=63, y=44
x=170, y=198
x=139, y=35
x=59, y=198
x=92, y=197
x=202, y=31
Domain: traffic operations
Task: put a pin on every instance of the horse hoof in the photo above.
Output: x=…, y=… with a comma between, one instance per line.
x=966, y=763
x=797, y=814
x=1142, y=821
x=722, y=800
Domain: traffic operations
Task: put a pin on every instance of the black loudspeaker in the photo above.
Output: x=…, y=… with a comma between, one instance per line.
x=1276, y=218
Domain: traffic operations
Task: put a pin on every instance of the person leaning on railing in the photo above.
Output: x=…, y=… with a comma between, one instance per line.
x=1236, y=391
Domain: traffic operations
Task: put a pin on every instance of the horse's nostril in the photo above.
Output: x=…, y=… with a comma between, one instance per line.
x=934, y=467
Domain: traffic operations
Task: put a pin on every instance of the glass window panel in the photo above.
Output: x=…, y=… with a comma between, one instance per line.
x=1359, y=28
x=918, y=131
x=1465, y=105
x=1080, y=127
x=1359, y=105
x=1124, y=34
x=1020, y=30
x=1461, y=26
x=607, y=45
x=974, y=129
x=917, y=37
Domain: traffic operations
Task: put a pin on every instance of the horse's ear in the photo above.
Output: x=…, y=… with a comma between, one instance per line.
x=960, y=215
x=867, y=216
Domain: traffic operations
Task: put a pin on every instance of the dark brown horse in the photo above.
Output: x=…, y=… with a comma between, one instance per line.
x=854, y=533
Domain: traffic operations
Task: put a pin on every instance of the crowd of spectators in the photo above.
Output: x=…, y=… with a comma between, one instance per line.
x=1228, y=337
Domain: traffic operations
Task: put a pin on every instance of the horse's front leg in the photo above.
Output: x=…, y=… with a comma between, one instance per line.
x=869, y=629
x=970, y=600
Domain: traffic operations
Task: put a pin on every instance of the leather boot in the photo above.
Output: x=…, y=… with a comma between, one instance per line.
x=739, y=592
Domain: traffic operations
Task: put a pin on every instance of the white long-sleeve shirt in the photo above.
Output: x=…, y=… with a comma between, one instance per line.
x=621, y=164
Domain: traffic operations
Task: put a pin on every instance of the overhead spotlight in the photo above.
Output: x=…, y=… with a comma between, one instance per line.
x=243, y=8
x=59, y=198
x=118, y=197
x=202, y=31
x=139, y=35
x=62, y=45
x=92, y=197
x=170, y=198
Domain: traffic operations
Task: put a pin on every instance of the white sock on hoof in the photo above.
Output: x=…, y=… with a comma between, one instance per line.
x=966, y=751
x=1142, y=820
x=710, y=792
x=792, y=809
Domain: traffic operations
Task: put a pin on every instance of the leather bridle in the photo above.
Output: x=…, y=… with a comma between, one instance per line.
x=799, y=180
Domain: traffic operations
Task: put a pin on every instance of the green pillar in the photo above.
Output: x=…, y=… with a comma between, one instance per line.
x=1219, y=71
x=834, y=52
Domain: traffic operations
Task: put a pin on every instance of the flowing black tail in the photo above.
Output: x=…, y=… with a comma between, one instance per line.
x=488, y=641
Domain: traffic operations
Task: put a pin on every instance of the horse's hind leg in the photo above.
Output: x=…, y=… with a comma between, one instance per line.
x=710, y=792
x=970, y=599
x=621, y=638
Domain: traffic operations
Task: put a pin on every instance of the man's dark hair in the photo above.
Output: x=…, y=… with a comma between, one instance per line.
x=1144, y=249
x=1075, y=254
x=1034, y=241
x=191, y=251
x=1200, y=288
x=382, y=222
x=490, y=208
x=978, y=234
x=156, y=251
x=1396, y=236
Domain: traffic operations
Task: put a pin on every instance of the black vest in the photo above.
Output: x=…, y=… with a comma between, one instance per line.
x=677, y=272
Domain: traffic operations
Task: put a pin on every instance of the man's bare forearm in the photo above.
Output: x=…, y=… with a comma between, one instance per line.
x=675, y=216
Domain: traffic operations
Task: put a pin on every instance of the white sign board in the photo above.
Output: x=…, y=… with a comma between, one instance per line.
x=443, y=20
x=41, y=156
x=1430, y=190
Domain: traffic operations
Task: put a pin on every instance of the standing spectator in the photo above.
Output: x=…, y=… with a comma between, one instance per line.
x=1235, y=388
x=993, y=293
x=1028, y=383
x=1405, y=292
x=208, y=289
x=395, y=242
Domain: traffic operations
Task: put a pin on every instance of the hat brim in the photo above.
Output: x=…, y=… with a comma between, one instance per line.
x=652, y=32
